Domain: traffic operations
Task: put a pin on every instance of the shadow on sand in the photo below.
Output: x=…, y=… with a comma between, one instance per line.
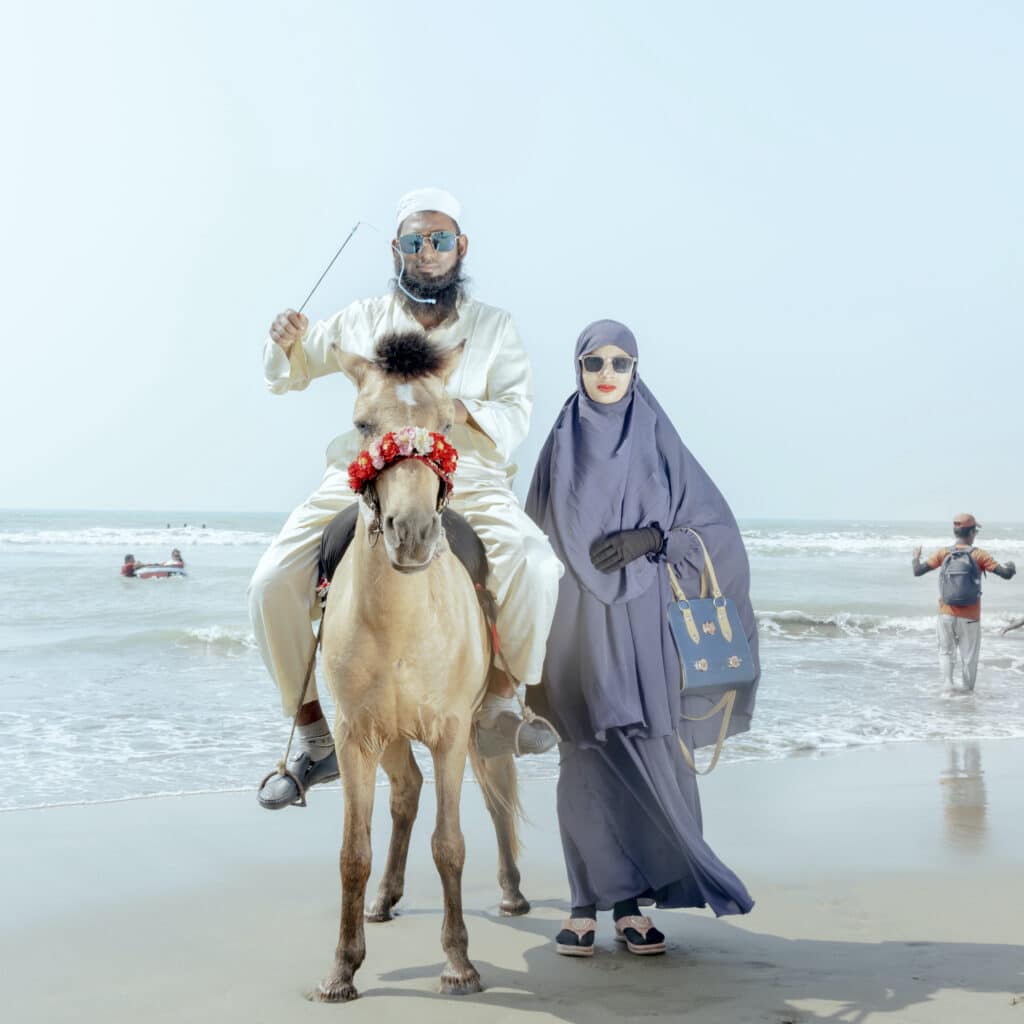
x=714, y=971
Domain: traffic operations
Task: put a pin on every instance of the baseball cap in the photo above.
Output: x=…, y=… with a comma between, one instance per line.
x=965, y=519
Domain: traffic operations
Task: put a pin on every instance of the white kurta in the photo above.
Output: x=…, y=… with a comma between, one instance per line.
x=494, y=382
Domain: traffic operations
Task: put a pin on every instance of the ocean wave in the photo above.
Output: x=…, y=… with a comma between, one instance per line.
x=426, y=767
x=763, y=542
x=816, y=743
x=220, y=638
x=215, y=639
x=811, y=743
x=798, y=623
x=758, y=541
x=131, y=537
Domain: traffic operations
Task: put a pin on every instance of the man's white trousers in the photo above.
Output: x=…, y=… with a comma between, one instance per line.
x=523, y=576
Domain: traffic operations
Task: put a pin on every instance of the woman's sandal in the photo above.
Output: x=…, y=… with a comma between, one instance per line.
x=639, y=935
x=576, y=937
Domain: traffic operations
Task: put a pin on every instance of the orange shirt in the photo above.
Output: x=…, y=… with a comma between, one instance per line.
x=985, y=561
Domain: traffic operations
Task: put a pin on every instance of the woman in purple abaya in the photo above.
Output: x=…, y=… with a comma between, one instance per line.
x=615, y=491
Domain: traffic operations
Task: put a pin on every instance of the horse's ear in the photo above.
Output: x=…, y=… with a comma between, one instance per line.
x=452, y=359
x=354, y=367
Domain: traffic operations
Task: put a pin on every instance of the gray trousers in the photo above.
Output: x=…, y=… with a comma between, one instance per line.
x=963, y=635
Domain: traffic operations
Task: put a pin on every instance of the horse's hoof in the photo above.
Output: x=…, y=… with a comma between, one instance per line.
x=333, y=990
x=378, y=914
x=514, y=906
x=383, y=909
x=460, y=983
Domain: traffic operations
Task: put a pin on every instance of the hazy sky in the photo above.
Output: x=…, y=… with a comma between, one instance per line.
x=811, y=214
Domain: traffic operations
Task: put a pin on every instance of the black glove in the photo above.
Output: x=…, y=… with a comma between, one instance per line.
x=617, y=550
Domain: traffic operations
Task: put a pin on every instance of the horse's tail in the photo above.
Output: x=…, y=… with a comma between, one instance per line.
x=499, y=783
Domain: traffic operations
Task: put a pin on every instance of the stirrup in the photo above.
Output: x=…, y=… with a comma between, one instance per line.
x=283, y=770
x=529, y=717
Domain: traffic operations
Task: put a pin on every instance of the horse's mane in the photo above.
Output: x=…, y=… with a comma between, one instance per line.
x=408, y=355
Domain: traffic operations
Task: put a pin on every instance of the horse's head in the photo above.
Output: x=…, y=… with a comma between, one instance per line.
x=403, y=387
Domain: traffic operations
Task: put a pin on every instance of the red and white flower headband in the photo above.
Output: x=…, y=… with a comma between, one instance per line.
x=425, y=446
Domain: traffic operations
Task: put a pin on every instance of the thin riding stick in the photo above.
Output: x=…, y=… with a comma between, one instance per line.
x=329, y=265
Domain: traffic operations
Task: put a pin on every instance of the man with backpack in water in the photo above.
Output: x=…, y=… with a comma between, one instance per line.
x=959, y=623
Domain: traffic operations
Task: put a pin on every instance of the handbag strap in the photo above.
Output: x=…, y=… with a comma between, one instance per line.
x=709, y=567
x=725, y=705
x=707, y=574
x=677, y=590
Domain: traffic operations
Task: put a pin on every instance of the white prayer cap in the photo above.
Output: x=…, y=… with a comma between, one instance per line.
x=420, y=200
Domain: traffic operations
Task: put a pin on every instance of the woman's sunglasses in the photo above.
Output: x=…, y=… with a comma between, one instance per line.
x=442, y=241
x=595, y=364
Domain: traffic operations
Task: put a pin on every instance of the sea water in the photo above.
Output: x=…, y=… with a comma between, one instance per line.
x=113, y=688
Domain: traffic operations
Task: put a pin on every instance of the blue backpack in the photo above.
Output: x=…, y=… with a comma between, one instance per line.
x=960, y=579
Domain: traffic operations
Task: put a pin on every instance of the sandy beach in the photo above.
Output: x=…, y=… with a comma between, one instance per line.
x=888, y=884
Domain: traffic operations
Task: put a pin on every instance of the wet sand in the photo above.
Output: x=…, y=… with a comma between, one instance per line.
x=888, y=884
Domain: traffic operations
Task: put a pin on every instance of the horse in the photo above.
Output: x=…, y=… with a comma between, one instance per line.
x=406, y=655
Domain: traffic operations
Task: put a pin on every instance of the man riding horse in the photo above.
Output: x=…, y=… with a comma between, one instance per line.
x=492, y=391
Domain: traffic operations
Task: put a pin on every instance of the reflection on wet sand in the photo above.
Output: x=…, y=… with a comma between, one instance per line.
x=963, y=795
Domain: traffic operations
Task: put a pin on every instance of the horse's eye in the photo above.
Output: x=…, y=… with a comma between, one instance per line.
x=363, y=427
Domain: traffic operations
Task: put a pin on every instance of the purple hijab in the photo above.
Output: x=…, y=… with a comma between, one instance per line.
x=605, y=468
x=605, y=473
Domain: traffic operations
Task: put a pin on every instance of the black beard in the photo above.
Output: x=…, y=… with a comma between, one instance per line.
x=445, y=290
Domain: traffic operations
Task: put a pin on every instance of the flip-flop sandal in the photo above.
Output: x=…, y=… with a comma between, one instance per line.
x=639, y=935
x=576, y=937
x=279, y=790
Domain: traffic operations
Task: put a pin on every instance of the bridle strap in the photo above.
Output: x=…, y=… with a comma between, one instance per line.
x=376, y=528
x=446, y=481
x=369, y=492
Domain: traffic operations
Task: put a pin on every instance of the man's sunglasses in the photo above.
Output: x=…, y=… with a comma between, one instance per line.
x=442, y=241
x=595, y=364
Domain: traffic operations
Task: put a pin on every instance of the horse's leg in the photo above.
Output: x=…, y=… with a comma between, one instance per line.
x=459, y=976
x=500, y=787
x=358, y=773
x=406, y=782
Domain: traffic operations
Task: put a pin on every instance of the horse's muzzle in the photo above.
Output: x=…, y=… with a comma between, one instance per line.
x=411, y=540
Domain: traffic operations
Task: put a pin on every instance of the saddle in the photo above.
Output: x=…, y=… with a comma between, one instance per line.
x=462, y=539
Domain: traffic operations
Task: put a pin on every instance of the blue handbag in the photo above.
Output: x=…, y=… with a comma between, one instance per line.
x=714, y=654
